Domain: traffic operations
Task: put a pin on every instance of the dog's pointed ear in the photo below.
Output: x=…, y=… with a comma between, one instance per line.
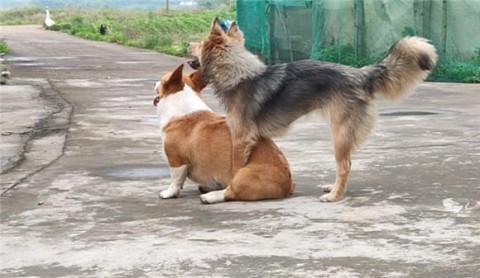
x=197, y=81
x=216, y=29
x=235, y=33
x=177, y=75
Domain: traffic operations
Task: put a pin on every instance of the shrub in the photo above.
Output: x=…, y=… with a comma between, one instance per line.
x=4, y=47
x=477, y=56
x=451, y=70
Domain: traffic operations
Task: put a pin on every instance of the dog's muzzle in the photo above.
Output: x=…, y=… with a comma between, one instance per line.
x=194, y=64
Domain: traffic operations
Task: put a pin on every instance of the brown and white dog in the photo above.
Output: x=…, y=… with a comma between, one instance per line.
x=197, y=145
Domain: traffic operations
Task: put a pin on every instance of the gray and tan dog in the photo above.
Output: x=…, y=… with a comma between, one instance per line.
x=262, y=101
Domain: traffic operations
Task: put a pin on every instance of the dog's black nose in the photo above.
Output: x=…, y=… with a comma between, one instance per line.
x=194, y=64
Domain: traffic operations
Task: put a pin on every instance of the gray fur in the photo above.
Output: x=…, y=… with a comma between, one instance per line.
x=262, y=101
x=272, y=97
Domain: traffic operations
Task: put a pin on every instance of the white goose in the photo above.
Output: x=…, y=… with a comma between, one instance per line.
x=48, y=20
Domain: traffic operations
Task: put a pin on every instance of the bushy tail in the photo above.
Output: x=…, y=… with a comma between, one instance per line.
x=408, y=63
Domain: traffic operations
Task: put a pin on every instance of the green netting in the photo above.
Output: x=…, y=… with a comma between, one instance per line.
x=254, y=26
x=358, y=32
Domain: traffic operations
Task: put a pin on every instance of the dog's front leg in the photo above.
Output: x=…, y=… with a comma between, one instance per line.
x=177, y=178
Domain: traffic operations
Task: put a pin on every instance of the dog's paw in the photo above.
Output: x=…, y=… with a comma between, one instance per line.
x=329, y=197
x=327, y=188
x=167, y=194
x=213, y=197
x=204, y=199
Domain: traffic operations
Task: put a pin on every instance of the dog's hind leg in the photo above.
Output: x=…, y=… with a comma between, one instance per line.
x=347, y=132
x=252, y=183
x=242, y=147
x=343, y=142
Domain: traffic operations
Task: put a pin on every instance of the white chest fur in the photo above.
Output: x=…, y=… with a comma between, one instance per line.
x=176, y=105
x=179, y=104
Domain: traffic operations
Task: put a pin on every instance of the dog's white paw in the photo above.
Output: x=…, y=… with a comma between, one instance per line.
x=329, y=197
x=327, y=188
x=213, y=197
x=168, y=193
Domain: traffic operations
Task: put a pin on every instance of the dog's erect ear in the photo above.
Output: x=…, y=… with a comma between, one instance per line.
x=216, y=29
x=198, y=83
x=177, y=75
x=172, y=82
x=235, y=33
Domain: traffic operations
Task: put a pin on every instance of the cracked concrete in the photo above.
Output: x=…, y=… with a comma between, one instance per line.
x=34, y=121
x=85, y=196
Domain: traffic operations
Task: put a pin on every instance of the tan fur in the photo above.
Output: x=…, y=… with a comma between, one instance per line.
x=202, y=140
x=195, y=81
x=171, y=82
x=405, y=75
x=245, y=135
x=235, y=33
x=231, y=68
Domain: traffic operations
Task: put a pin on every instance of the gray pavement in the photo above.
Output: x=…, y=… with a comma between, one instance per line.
x=82, y=168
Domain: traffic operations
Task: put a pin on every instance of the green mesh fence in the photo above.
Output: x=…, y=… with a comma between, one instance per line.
x=359, y=32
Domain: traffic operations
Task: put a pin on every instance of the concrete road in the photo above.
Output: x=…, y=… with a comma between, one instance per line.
x=81, y=172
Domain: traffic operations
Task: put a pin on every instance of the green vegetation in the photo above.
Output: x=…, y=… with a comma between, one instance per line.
x=458, y=71
x=164, y=32
x=4, y=47
x=27, y=15
x=345, y=55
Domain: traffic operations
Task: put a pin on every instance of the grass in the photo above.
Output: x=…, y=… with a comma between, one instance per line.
x=4, y=47
x=164, y=32
x=27, y=15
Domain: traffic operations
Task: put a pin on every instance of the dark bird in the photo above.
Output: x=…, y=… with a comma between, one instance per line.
x=103, y=29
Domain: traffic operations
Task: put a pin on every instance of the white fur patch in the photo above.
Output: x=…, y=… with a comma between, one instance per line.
x=213, y=197
x=177, y=178
x=179, y=104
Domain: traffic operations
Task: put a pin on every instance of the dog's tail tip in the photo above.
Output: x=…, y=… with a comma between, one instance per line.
x=417, y=48
x=408, y=63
